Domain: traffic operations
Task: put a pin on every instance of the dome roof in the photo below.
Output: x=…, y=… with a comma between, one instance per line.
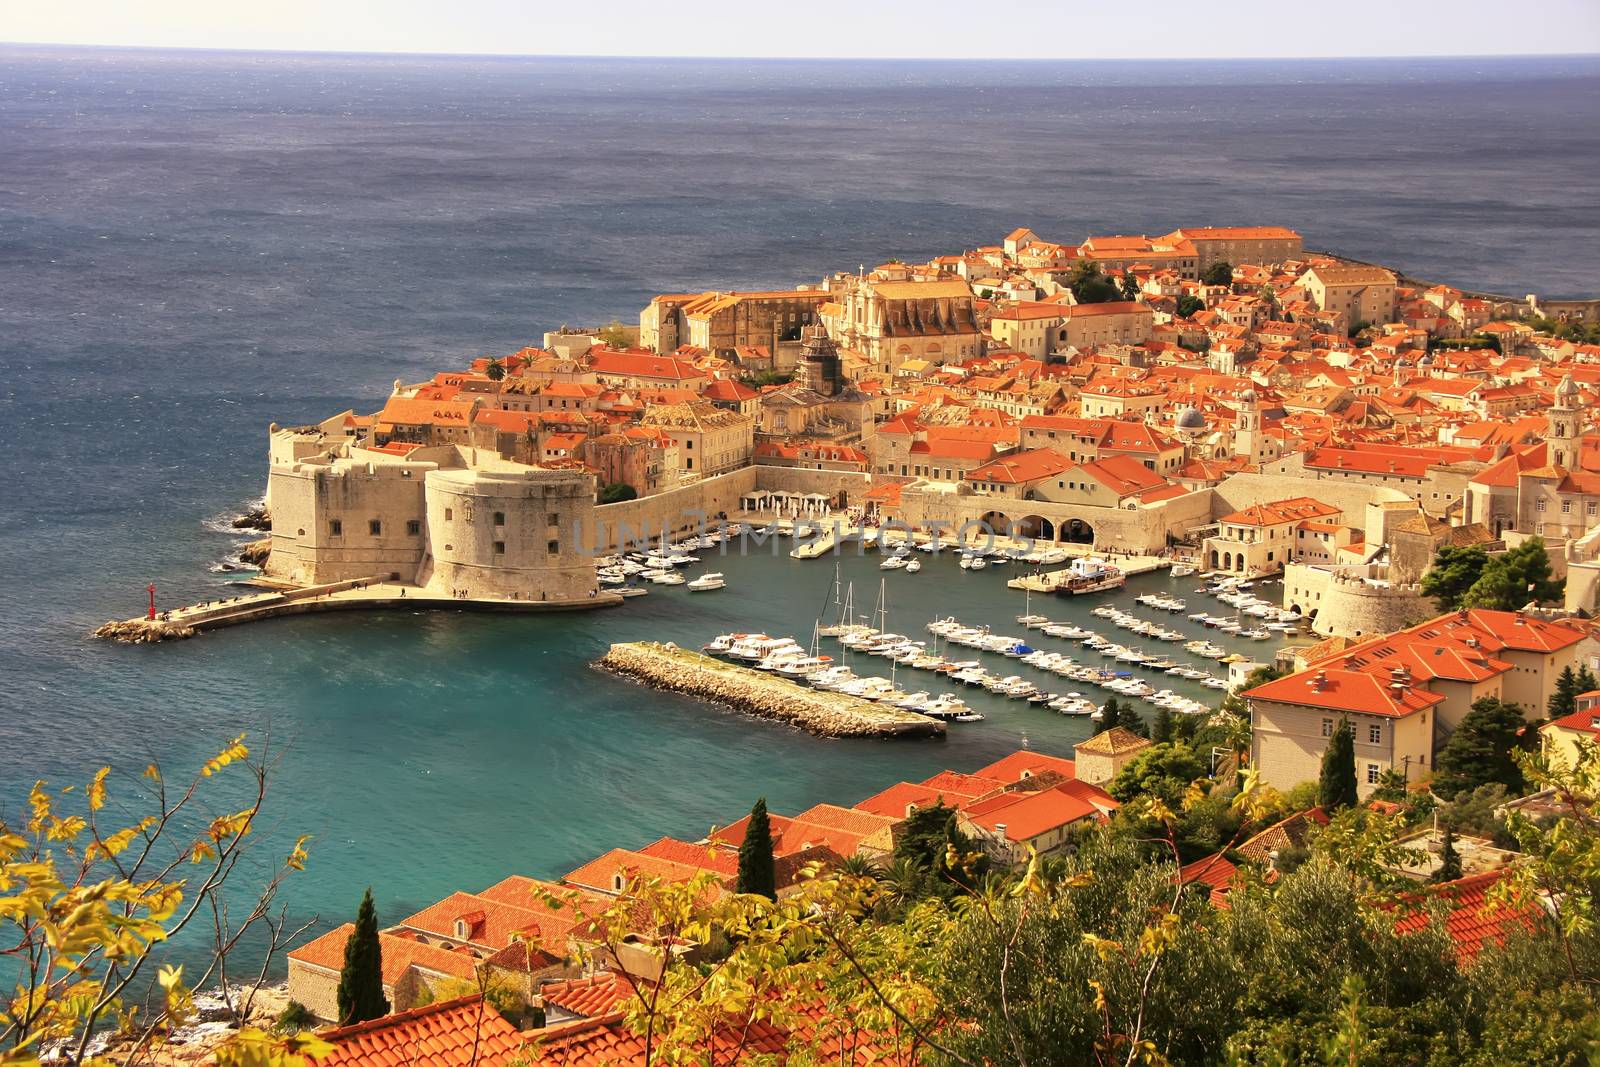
x=1191, y=419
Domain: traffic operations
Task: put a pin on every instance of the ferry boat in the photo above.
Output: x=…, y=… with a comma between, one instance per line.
x=1086, y=574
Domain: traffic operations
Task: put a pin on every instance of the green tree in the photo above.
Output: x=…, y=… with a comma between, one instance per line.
x=1130, y=285
x=1219, y=273
x=1449, y=859
x=757, y=871
x=1482, y=750
x=1115, y=713
x=616, y=492
x=1564, y=701
x=495, y=370
x=1337, y=784
x=1162, y=731
x=927, y=840
x=615, y=335
x=1089, y=286
x=1455, y=570
x=1511, y=579
x=1163, y=771
x=360, y=995
x=1188, y=306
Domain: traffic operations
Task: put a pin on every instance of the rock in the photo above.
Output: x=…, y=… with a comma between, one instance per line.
x=256, y=552
x=823, y=713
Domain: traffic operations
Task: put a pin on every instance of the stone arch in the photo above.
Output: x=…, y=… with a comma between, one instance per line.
x=1214, y=558
x=935, y=349
x=1036, y=527
x=903, y=350
x=997, y=522
x=1076, y=532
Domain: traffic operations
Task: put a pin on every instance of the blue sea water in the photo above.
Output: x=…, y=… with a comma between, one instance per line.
x=194, y=245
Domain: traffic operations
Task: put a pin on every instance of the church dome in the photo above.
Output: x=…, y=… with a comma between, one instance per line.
x=1191, y=419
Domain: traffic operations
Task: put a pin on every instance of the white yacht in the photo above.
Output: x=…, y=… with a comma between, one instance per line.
x=707, y=582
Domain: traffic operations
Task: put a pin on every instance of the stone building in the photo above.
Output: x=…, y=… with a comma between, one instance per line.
x=891, y=321
x=1238, y=244
x=1359, y=293
x=1099, y=759
x=720, y=322
x=710, y=440
x=447, y=518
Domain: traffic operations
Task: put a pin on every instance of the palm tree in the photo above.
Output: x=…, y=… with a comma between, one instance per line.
x=859, y=865
x=903, y=880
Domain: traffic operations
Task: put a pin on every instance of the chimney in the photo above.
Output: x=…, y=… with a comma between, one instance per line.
x=1319, y=681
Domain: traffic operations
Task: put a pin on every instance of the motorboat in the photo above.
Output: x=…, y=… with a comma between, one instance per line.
x=707, y=582
x=913, y=566
x=1033, y=622
x=1182, y=570
x=669, y=578
x=892, y=563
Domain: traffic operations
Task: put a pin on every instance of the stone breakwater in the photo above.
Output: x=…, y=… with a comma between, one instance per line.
x=679, y=670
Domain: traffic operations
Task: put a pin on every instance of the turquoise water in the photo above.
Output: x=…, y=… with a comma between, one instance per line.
x=193, y=246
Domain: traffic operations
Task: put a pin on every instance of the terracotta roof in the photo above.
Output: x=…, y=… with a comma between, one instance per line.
x=399, y=955
x=1280, y=511
x=1473, y=920
x=465, y=1032
x=1027, y=815
x=1335, y=690
x=899, y=799
x=598, y=994
x=1113, y=742
x=1025, y=764
x=1286, y=833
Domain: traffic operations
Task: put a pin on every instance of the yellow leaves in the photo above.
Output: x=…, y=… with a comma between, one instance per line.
x=39, y=804
x=177, y=1001
x=96, y=792
x=251, y=1047
x=296, y=860
x=1107, y=949
x=153, y=773
x=234, y=752
x=226, y=827
x=115, y=844
x=1159, y=936
x=1030, y=884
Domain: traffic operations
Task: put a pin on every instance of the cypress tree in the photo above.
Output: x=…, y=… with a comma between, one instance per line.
x=757, y=873
x=1564, y=701
x=1337, y=788
x=1449, y=860
x=1163, y=729
x=361, y=980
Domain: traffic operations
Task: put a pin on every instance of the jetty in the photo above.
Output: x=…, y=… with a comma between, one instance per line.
x=375, y=593
x=1050, y=581
x=679, y=670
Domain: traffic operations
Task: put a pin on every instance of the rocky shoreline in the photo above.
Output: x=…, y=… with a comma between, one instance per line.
x=666, y=666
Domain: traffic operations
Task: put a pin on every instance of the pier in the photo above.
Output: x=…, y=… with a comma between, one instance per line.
x=357, y=594
x=666, y=666
x=1050, y=581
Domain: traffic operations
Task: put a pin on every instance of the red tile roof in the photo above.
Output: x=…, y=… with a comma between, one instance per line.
x=1025, y=764
x=1027, y=815
x=399, y=955
x=598, y=994
x=899, y=799
x=451, y=1033
x=1474, y=921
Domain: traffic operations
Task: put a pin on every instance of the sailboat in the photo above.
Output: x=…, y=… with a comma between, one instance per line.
x=1027, y=618
x=844, y=623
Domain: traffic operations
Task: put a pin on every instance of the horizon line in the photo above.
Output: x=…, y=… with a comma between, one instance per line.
x=1029, y=60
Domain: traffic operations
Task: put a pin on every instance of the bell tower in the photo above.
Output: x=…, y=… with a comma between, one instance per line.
x=1565, y=417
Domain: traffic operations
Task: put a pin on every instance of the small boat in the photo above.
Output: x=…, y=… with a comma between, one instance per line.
x=669, y=578
x=969, y=716
x=893, y=563
x=1032, y=622
x=1182, y=570
x=913, y=566
x=707, y=582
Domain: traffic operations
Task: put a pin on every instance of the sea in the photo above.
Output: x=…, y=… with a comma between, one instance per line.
x=195, y=245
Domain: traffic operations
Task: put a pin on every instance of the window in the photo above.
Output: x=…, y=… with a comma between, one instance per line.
x=374, y=527
x=499, y=548
x=499, y=518
x=1539, y=506
x=1375, y=734
x=335, y=528
x=413, y=527
x=1373, y=772
x=552, y=519
x=553, y=548
x=1327, y=727
x=449, y=513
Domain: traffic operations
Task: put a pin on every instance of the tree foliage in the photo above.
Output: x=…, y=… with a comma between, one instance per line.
x=95, y=882
x=360, y=994
x=1513, y=578
x=617, y=492
x=1455, y=570
x=1219, y=273
x=757, y=871
x=1189, y=306
x=1090, y=286
x=1482, y=750
x=1337, y=783
x=1164, y=771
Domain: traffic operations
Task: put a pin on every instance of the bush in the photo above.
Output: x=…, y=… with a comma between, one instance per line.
x=295, y=1017
x=617, y=492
